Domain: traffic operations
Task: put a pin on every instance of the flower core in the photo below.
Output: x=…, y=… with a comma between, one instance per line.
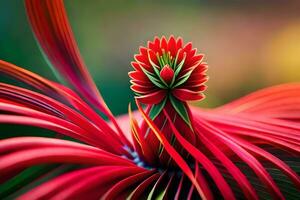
x=166, y=69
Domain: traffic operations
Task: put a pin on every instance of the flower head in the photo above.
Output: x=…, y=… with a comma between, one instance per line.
x=168, y=68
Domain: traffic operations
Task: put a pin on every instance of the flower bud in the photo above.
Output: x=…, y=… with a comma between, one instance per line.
x=167, y=74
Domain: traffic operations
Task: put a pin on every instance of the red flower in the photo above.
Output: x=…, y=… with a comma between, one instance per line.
x=167, y=67
x=247, y=149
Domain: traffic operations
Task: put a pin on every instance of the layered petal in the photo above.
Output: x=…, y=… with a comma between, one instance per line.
x=51, y=27
x=167, y=65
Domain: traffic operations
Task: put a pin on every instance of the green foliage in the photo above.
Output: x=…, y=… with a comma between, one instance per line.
x=156, y=109
x=180, y=109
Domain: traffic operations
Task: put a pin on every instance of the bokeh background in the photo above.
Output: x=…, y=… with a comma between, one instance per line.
x=248, y=44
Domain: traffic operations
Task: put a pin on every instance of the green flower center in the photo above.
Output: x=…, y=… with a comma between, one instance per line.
x=167, y=74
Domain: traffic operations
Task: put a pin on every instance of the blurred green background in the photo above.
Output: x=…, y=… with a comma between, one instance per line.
x=248, y=44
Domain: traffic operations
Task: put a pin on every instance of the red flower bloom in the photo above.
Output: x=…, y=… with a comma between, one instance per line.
x=167, y=67
x=247, y=149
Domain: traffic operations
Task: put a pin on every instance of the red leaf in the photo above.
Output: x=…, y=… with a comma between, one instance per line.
x=172, y=152
x=52, y=29
x=77, y=183
x=204, y=161
x=43, y=155
x=50, y=24
x=122, y=185
x=249, y=159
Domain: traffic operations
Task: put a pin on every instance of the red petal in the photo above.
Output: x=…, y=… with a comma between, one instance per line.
x=179, y=188
x=204, y=161
x=76, y=184
x=195, y=79
x=142, y=89
x=152, y=98
x=164, y=43
x=138, y=75
x=135, y=195
x=277, y=100
x=35, y=156
x=203, y=183
x=179, y=43
x=172, y=152
x=271, y=158
x=192, y=59
x=122, y=185
x=201, y=68
x=172, y=46
x=141, y=83
x=155, y=45
x=21, y=143
x=269, y=130
x=197, y=88
x=144, y=146
x=181, y=55
x=30, y=78
x=53, y=32
x=44, y=108
x=101, y=179
x=51, y=89
x=249, y=159
x=188, y=47
x=187, y=95
x=235, y=172
x=136, y=66
x=142, y=59
x=50, y=24
x=153, y=57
